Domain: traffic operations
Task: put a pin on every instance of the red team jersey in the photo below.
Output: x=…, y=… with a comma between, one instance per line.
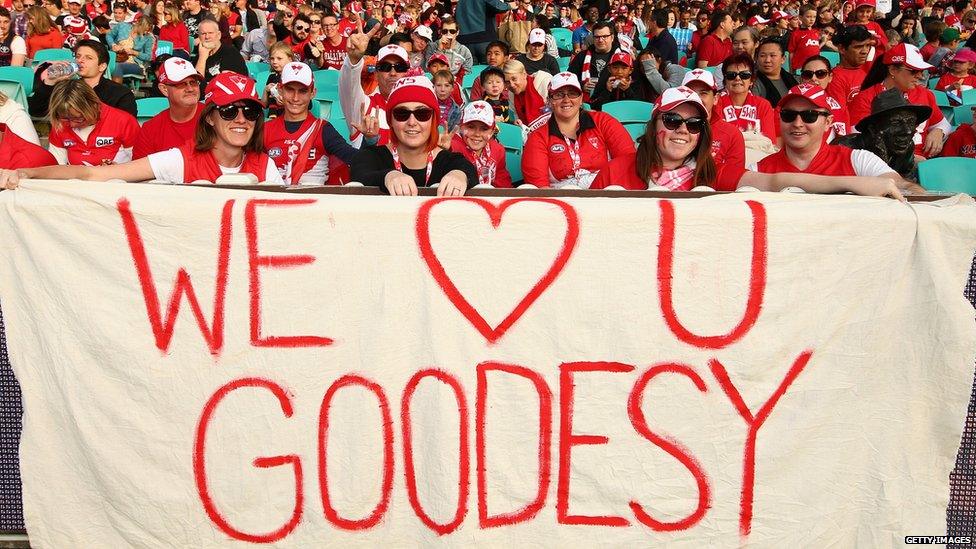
x=550, y=158
x=199, y=165
x=804, y=44
x=948, y=79
x=15, y=153
x=114, y=130
x=160, y=133
x=284, y=148
x=846, y=83
x=755, y=112
x=713, y=51
x=961, y=142
x=333, y=54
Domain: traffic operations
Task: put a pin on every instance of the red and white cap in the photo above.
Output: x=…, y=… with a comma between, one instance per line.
x=700, y=75
x=354, y=7
x=757, y=20
x=438, y=57
x=811, y=92
x=672, y=98
x=905, y=54
x=79, y=2
x=779, y=14
x=966, y=55
x=537, y=36
x=175, y=70
x=424, y=32
x=622, y=57
x=479, y=111
x=297, y=72
x=859, y=3
x=230, y=87
x=563, y=80
x=74, y=24
x=394, y=51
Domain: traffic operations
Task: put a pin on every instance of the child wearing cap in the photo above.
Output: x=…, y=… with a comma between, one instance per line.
x=449, y=111
x=475, y=141
x=438, y=63
x=617, y=83
x=958, y=78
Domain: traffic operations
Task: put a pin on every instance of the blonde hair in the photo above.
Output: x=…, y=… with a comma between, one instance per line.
x=442, y=75
x=40, y=21
x=73, y=95
x=513, y=67
x=174, y=13
x=142, y=26
x=282, y=47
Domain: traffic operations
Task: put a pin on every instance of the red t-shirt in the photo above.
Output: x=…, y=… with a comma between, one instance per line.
x=846, y=83
x=928, y=49
x=333, y=54
x=346, y=27
x=755, y=112
x=861, y=107
x=961, y=142
x=114, y=130
x=804, y=44
x=490, y=165
x=713, y=51
x=160, y=133
x=37, y=42
x=879, y=35
x=948, y=79
x=16, y=153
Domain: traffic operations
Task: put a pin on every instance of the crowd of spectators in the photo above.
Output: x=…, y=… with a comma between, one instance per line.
x=767, y=93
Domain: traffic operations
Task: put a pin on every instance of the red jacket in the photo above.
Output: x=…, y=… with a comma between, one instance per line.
x=529, y=105
x=491, y=168
x=547, y=157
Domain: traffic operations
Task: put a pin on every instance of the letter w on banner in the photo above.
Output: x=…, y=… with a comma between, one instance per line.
x=206, y=368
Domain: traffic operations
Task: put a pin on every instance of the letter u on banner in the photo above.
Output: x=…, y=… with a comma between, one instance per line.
x=757, y=279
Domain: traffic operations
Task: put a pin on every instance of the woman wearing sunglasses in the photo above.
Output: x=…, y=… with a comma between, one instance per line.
x=227, y=141
x=902, y=67
x=737, y=105
x=412, y=158
x=574, y=145
x=817, y=71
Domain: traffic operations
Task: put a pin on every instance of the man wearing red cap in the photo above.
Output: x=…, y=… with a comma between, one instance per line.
x=350, y=21
x=179, y=82
x=306, y=150
x=366, y=114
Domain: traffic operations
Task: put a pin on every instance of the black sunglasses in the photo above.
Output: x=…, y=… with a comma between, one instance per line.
x=449, y=31
x=808, y=116
x=251, y=111
x=732, y=75
x=386, y=66
x=402, y=114
x=819, y=73
x=300, y=28
x=674, y=121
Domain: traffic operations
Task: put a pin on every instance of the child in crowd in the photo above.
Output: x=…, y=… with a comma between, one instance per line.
x=492, y=86
x=279, y=55
x=449, y=111
x=958, y=77
x=437, y=63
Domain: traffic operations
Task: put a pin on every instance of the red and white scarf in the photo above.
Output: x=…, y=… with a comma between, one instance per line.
x=678, y=179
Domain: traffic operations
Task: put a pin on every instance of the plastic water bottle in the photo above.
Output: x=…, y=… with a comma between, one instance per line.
x=62, y=69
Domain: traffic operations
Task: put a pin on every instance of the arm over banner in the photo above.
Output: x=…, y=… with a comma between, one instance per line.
x=202, y=367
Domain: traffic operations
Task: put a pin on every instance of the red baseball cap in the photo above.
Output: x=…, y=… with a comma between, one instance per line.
x=871, y=3
x=905, y=54
x=811, y=92
x=230, y=87
x=622, y=57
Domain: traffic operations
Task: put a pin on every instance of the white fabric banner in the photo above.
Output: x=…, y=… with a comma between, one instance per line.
x=204, y=368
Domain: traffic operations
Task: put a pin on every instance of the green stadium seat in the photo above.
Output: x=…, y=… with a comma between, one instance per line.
x=52, y=54
x=341, y=127
x=469, y=80
x=23, y=75
x=112, y=57
x=256, y=67
x=949, y=174
x=513, y=161
x=510, y=136
x=933, y=82
x=164, y=46
x=629, y=111
x=962, y=115
x=563, y=63
x=476, y=69
x=148, y=107
x=327, y=79
x=942, y=100
x=14, y=92
x=831, y=56
x=969, y=97
x=564, y=38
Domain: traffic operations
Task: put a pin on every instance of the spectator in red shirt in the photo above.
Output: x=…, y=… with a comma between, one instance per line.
x=16, y=153
x=717, y=45
x=175, y=31
x=933, y=30
x=864, y=15
x=350, y=20
x=728, y=145
x=300, y=26
x=817, y=71
x=805, y=41
x=959, y=78
x=179, y=82
x=961, y=142
x=701, y=23
x=737, y=105
x=85, y=131
x=332, y=48
x=41, y=32
x=854, y=44
x=474, y=141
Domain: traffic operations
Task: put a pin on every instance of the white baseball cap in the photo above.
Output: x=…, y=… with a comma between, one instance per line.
x=394, y=50
x=424, y=32
x=175, y=70
x=563, y=80
x=537, y=36
x=673, y=97
x=700, y=75
x=479, y=111
x=297, y=72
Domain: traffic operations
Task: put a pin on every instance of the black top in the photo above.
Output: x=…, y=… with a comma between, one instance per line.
x=373, y=162
x=548, y=64
x=665, y=44
x=111, y=93
x=226, y=58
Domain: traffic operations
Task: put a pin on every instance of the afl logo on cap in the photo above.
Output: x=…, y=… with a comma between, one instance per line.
x=557, y=148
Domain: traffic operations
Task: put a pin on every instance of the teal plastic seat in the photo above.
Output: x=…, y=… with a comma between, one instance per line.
x=23, y=75
x=476, y=69
x=954, y=174
x=513, y=161
x=469, y=79
x=14, y=92
x=256, y=67
x=933, y=82
x=326, y=79
x=148, y=107
x=52, y=54
x=636, y=129
x=563, y=63
x=564, y=38
x=962, y=115
x=510, y=136
x=968, y=97
x=628, y=111
x=831, y=56
x=164, y=46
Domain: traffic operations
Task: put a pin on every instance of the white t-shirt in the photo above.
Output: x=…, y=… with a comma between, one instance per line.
x=866, y=164
x=18, y=46
x=168, y=166
x=13, y=115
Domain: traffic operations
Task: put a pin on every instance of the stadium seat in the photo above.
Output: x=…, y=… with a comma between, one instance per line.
x=260, y=81
x=23, y=75
x=52, y=54
x=962, y=115
x=476, y=69
x=341, y=127
x=513, y=161
x=14, y=92
x=469, y=79
x=968, y=97
x=256, y=67
x=635, y=129
x=831, y=56
x=164, y=46
x=148, y=107
x=564, y=38
x=327, y=79
x=629, y=111
x=563, y=63
x=510, y=136
x=933, y=82
x=112, y=56
x=942, y=100
x=949, y=174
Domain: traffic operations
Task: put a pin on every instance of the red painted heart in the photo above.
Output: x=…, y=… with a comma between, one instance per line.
x=495, y=212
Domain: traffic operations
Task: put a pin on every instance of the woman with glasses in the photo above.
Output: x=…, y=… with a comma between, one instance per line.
x=412, y=158
x=85, y=131
x=228, y=140
x=902, y=67
x=818, y=72
x=574, y=145
x=737, y=105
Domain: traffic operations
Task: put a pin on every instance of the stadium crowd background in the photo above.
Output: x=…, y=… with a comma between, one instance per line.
x=403, y=94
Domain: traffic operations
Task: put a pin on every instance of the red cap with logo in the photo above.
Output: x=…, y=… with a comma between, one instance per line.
x=622, y=57
x=811, y=92
x=870, y=3
x=907, y=55
x=230, y=87
x=672, y=98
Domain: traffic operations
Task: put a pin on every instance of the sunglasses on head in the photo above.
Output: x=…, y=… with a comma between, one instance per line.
x=733, y=75
x=251, y=111
x=808, y=116
x=819, y=73
x=673, y=121
x=386, y=66
x=402, y=114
